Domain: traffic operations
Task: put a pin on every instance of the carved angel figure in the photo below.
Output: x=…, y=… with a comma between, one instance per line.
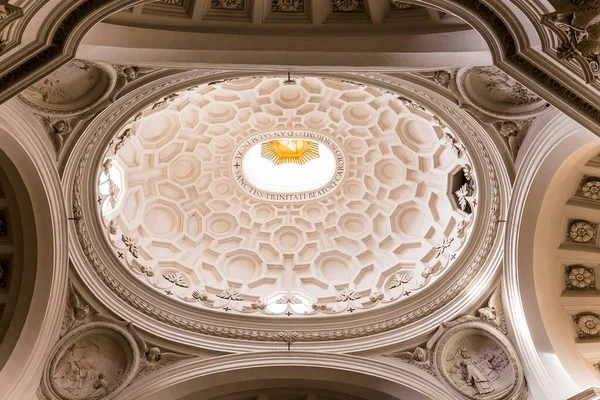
x=488, y=314
x=75, y=313
x=504, y=89
x=131, y=73
x=61, y=127
x=442, y=78
x=419, y=358
x=59, y=132
x=156, y=359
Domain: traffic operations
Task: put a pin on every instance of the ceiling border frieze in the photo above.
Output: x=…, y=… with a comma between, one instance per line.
x=95, y=264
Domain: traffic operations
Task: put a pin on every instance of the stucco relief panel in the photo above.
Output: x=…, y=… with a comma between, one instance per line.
x=93, y=361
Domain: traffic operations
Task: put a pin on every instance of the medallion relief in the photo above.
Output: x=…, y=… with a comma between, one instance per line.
x=75, y=88
x=473, y=355
x=495, y=95
x=69, y=97
x=98, y=356
x=493, y=98
x=92, y=362
x=476, y=364
x=90, y=368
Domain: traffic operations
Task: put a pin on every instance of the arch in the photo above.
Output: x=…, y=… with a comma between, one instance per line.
x=554, y=139
x=32, y=173
x=284, y=388
x=499, y=24
x=215, y=377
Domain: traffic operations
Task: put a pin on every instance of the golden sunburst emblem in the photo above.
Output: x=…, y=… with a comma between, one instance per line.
x=289, y=151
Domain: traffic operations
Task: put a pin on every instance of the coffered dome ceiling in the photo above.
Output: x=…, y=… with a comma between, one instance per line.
x=249, y=203
x=185, y=197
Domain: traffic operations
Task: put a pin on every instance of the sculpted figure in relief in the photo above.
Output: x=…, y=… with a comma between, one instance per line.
x=475, y=377
x=582, y=25
x=89, y=368
x=478, y=366
x=155, y=359
x=503, y=89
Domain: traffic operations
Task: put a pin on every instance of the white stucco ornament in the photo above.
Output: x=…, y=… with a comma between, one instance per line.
x=478, y=362
x=223, y=199
x=200, y=245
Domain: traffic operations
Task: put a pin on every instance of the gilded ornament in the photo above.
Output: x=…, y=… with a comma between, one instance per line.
x=289, y=151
